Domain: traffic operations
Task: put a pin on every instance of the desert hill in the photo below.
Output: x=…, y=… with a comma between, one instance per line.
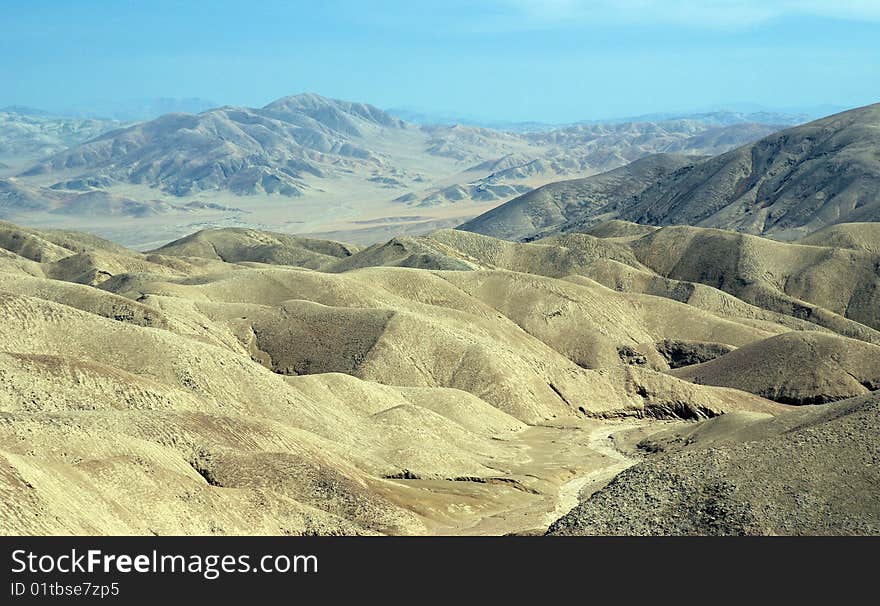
x=237, y=245
x=794, y=181
x=807, y=282
x=564, y=202
x=858, y=236
x=239, y=381
x=786, y=185
x=812, y=471
x=725, y=272
x=795, y=368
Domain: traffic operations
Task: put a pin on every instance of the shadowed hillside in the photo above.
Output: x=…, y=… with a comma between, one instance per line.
x=566, y=202
x=786, y=185
x=792, y=182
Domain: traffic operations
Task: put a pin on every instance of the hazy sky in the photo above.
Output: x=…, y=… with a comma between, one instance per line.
x=547, y=60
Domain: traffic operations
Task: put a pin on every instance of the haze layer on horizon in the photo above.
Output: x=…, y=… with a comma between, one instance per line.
x=552, y=61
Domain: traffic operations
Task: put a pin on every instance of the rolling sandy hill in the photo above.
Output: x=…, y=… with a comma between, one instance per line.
x=807, y=282
x=795, y=368
x=725, y=272
x=858, y=236
x=564, y=202
x=237, y=245
x=238, y=381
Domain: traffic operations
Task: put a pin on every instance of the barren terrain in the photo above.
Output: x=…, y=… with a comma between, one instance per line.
x=785, y=185
x=306, y=164
x=246, y=382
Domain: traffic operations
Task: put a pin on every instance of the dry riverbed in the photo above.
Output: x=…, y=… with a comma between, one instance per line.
x=563, y=463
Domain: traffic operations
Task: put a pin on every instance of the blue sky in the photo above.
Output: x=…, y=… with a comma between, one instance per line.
x=545, y=60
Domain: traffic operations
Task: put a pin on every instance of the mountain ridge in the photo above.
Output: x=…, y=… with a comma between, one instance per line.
x=786, y=184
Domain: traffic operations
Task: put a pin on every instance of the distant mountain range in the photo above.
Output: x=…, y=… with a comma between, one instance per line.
x=84, y=200
x=28, y=133
x=25, y=110
x=344, y=161
x=242, y=150
x=282, y=147
x=726, y=117
x=718, y=117
x=787, y=184
x=433, y=118
x=130, y=110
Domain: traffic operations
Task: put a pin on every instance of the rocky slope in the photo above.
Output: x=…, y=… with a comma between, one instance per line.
x=813, y=471
x=567, y=202
x=793, y=182
x=785, y=185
